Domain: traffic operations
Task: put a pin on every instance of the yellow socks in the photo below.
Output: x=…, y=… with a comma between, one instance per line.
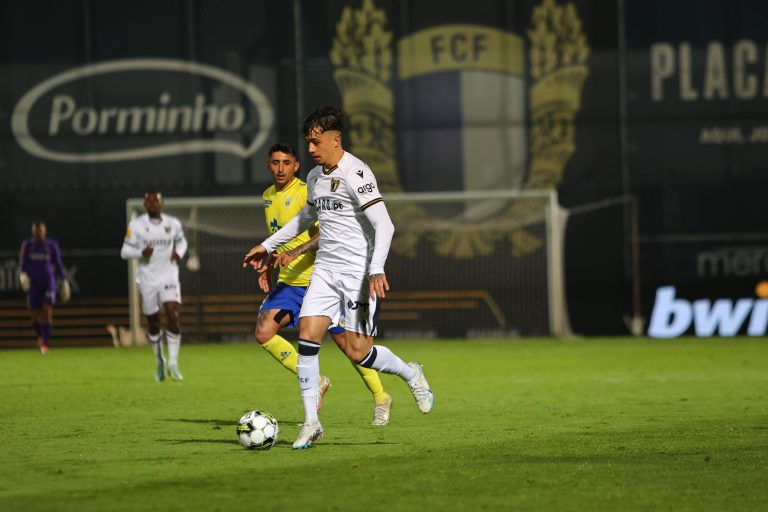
x=286, y=354
x=283, y=351
x=372, y=382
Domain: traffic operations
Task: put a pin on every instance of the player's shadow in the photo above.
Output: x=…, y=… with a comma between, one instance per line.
x=374, y=443
x=286, y=443
x=211, y=422
x=214, y=424
x=225, y=423
x=197, y=441
x=218, y=424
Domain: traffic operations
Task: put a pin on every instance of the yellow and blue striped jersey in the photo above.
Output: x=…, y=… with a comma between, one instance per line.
x=279, y=208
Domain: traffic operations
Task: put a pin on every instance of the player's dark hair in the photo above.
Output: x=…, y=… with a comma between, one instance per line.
x=36, y=224
x=324, y=119
x=283, y=147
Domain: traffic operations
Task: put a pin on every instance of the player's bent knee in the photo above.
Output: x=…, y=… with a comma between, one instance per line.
x=356, y=355
x=357, y=346
x=264, y=334
x=340, y=341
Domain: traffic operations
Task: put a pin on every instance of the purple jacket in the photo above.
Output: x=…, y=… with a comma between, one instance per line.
x=41, y=261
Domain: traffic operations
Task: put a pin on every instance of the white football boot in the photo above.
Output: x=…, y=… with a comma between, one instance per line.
x=310, y=432
x=160, y=370
x=381, y=413
x=174, y=373
x=420, y=389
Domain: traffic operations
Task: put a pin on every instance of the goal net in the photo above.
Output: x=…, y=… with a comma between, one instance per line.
x=462, y=264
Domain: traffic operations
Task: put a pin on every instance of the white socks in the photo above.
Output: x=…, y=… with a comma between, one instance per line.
x=386, y=361
x=156, y=341
x=174, y=344
x=308, y=370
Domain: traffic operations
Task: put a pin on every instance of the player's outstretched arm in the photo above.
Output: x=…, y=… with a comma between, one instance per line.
x=298, y=224
x=285, y=258
x=256, y=257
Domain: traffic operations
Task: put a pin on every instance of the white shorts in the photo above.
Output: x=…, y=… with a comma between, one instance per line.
x=333, y=293
x=152, y=296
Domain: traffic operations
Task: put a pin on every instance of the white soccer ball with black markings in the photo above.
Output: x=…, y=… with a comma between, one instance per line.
x=257, y=430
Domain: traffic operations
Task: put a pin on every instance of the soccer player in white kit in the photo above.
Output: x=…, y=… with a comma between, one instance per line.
x=157, y=241
x=355, y=236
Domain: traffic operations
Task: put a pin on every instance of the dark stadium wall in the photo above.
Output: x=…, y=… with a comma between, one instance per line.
x=104, y=100
x=697, y=106
x=82, y=199
x=450, y=124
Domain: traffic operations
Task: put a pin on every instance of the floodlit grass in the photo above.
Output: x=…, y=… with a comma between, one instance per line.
x=600, y=424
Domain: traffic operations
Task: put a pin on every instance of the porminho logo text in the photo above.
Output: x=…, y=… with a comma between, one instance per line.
x=195, y=120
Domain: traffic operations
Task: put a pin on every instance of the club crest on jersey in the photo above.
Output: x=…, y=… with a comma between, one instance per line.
x=287, y=201
x=334, y=184
x=168, y=229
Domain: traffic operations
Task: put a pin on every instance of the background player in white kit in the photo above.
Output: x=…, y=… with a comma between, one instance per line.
x=355, y=235
x=157, y=241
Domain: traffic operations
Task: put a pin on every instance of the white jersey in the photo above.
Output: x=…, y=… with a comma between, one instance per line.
x=340, y=195
x=166, y=236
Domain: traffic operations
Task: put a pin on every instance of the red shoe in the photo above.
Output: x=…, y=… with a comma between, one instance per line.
x=43, y=349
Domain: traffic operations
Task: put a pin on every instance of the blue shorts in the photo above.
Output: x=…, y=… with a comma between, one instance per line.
x=289, y=298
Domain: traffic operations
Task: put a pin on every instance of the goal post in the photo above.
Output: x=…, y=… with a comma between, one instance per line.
x=462, y=264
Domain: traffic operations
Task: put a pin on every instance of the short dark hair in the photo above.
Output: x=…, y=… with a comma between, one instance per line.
x=283, y=147
x=325, y=119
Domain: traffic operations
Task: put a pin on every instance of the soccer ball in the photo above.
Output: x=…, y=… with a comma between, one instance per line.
x=257, y=430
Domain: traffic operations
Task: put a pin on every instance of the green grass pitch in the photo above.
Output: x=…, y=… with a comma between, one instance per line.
x=598, y=424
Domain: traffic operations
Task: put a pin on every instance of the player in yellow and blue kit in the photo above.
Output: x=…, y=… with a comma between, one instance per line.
x=281, y=308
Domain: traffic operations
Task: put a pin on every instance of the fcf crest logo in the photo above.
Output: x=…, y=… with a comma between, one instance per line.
x=514, y=115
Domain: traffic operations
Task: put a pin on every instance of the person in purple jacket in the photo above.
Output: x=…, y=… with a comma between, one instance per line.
x=40, y=266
